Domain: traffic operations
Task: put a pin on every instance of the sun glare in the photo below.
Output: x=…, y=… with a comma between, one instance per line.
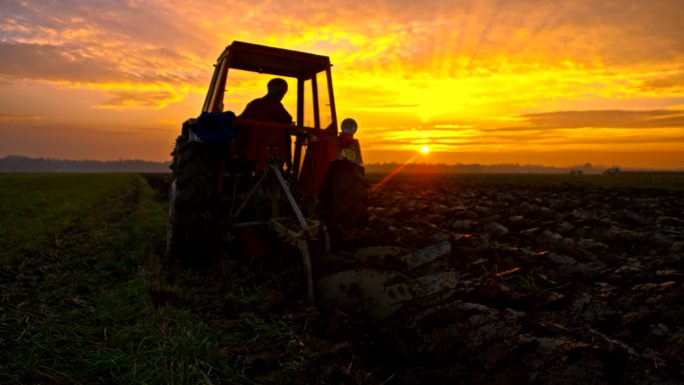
x=425, y=149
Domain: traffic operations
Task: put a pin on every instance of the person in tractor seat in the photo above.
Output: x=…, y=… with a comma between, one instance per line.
x=268, y=108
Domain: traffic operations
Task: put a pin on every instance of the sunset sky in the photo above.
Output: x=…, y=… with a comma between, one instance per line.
x=531, y=82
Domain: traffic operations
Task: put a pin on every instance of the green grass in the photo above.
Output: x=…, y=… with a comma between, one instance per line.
x=36, y=209
x=79, y=257
x=75, y=288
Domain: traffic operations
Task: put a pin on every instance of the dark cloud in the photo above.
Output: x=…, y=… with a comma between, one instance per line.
x=633, y=139
x=14, y=117
x=131, y=22
x=395, y=105
x=668, y=82
x=138, y=99
x=604, y=119
x=73, y=63
x=56, y=63
x=99, y=42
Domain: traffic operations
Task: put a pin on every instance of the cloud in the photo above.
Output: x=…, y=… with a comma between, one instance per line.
x=606, y=119
x=81, y=44
x=632, y=139
x=98, y=22
x=611, y=33
x=393, y=105
x=74, y=63
x=49, y=62
x=139, y=99
x=14, y=118
x=669, y=82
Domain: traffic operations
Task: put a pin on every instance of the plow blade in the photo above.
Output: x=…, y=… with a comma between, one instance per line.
x=400, y=258
x=375, y=293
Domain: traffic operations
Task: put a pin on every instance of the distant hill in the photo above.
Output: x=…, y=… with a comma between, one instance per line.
x=26, y=164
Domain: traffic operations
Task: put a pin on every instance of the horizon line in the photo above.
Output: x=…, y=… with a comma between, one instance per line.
x=583, y=166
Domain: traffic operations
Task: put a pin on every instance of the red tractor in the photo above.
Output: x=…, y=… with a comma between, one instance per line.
x=231, y=173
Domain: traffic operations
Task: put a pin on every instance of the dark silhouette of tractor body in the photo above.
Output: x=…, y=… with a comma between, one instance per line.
x=230, y=173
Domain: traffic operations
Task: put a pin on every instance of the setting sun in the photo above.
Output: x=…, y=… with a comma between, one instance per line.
x=425, y=149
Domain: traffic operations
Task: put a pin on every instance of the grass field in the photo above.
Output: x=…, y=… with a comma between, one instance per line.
x=75, y=275
x=80, y=288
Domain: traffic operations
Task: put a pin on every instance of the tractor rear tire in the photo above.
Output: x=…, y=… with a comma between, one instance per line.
x=175, y=155
x=344, y=197
x=192, y=231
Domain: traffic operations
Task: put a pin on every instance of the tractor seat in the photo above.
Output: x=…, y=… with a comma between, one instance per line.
x=265, y=143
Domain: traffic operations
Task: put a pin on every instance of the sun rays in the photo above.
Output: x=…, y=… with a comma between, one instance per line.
x=424, y=150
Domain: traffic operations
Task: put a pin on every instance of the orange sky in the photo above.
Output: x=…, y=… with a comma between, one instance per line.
x=530, y=82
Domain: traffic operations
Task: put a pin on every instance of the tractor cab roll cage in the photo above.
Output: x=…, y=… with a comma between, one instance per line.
x=273, y=61
x=304, y=67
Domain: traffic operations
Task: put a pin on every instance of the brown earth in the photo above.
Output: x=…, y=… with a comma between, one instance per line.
x=557, y=285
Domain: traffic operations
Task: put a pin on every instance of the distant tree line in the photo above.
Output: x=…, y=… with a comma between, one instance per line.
x=26, y=164
x=440, y=168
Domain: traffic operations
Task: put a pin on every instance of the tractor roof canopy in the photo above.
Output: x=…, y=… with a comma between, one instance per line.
x=315, y=103
x=274, y=61
x=313, y=90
